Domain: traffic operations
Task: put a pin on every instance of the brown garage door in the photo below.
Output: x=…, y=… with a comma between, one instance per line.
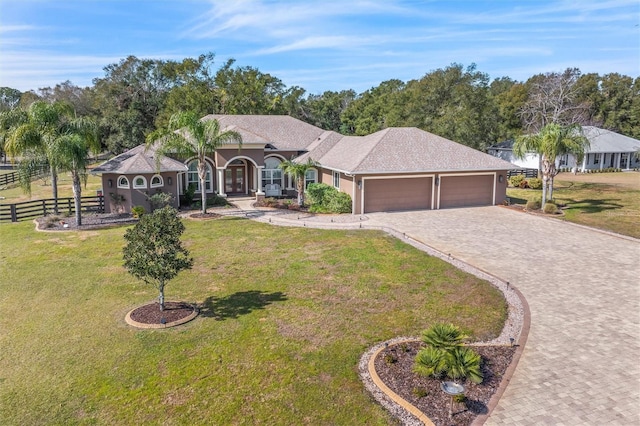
x=383, y=195
x=462, y=191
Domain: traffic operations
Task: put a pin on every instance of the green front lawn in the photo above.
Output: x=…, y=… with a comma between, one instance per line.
x=609, y=201
x=286, y=314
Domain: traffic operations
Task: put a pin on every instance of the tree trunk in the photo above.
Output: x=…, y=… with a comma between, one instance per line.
x=77, y=195
x=54, y=189
x=161, y=295
x=202, y=174
x=301, y=191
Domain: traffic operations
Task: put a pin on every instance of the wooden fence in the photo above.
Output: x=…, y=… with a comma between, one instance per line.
x=528, y=173
x=7, y=179
x=38, y=208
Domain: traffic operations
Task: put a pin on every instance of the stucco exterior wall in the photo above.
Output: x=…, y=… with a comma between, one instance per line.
x=137, y=196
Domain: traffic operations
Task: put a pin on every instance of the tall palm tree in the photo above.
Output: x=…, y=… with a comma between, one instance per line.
x=188, y=136
x=298, y=171
x=552, y=141
x=72, y=153
x=36, y=138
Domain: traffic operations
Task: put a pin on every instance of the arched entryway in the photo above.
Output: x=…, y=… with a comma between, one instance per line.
x=235, y=177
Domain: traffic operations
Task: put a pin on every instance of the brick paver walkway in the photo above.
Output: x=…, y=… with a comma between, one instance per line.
x=581, y=364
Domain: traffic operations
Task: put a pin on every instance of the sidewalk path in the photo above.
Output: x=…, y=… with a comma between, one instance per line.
x=581, y=364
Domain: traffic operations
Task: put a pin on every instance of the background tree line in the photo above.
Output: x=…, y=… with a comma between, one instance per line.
x=138, y=96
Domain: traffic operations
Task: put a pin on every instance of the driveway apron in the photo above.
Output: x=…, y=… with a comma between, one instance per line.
x=581, y=363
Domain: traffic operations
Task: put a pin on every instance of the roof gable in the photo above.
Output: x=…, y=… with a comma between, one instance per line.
x=139, y=160
x=285, y=133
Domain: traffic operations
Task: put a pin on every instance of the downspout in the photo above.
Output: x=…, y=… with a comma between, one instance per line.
x=353, y=191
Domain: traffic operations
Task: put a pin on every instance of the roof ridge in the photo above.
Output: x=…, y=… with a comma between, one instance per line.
x=383, y=133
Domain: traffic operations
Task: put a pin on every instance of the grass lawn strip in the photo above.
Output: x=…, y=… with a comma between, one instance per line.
x=607, y=201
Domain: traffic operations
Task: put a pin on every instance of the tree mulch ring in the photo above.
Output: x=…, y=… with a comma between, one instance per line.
x=394, y=366
x=207, y=215
x=150, y=315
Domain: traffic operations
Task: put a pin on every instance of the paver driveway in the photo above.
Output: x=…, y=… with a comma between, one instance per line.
x=581, y=363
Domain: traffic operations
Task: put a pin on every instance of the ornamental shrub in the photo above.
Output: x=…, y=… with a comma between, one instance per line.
x=326, y=199
x=535, y=183
x=534, y=204
x=550, y=208
x=137, y=211
x=445, y=355
x=516, y=180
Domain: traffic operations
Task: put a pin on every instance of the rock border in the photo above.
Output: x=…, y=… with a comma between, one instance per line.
x=142, y=325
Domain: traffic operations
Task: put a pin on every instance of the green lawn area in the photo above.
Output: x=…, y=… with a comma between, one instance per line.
x=609, y=201
x=41, y=189
x=286, y=315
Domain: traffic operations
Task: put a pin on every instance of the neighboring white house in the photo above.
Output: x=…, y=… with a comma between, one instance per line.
x=606, y=149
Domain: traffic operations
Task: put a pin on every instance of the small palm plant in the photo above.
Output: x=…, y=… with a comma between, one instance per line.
x=445, y=355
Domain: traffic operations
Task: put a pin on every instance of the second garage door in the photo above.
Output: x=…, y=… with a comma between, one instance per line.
x=383, y=195
x=463, y=191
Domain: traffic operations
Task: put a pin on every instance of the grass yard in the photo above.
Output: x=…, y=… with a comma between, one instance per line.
x=286, y=314
x=41, y=189
x=609, y=201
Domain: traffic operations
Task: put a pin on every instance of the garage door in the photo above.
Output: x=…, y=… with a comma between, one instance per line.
x=384, y=195
x=463, y=191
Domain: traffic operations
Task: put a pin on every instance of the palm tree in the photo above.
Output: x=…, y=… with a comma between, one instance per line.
x=72, y=153
x=298, y=171
x=188, y=136
x=552, y=141
x=35, y=140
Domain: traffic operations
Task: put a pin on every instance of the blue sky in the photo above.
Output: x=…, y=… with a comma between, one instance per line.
x=318, y=45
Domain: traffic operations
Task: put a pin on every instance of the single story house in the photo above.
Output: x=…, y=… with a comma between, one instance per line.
x=393, y=169
x=606, y=149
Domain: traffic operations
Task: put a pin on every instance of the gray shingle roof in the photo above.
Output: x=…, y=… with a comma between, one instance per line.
x=607, y=141
x=404, y=150
x=138, y=160
x=282, y=131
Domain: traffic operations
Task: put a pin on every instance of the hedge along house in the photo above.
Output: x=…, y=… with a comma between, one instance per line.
x=130, y=178
x=393, y=169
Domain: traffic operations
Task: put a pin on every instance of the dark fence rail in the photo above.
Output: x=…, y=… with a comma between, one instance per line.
x=14, y=177
x=528, y=173
x=38, y=208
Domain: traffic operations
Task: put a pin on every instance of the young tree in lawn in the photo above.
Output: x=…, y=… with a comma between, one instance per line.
x=188, y=136
x=298, y=171
x=154, y=252
x=552, y=141
x=72, y=152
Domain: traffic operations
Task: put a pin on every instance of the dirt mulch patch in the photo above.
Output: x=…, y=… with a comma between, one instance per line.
x=394, y=366
x=205, y=216
x=89, y=221
x=151, y=313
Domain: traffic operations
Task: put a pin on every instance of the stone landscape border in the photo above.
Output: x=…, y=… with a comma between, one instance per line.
x=142, y=325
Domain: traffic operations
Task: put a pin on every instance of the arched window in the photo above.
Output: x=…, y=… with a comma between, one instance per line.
x=139, y=182
x=123, y=182
x=156, y=181
x=272, y=173
x=193, y=179
x=310, y=177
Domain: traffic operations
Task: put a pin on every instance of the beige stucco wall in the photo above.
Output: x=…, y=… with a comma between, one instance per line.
x=137, y=197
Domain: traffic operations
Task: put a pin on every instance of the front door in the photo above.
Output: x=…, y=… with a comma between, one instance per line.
x=234, y=180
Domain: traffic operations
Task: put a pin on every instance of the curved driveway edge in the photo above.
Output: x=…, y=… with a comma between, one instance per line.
x=580, y=365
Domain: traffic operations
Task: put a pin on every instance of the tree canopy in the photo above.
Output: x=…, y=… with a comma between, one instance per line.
x=136, y=97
